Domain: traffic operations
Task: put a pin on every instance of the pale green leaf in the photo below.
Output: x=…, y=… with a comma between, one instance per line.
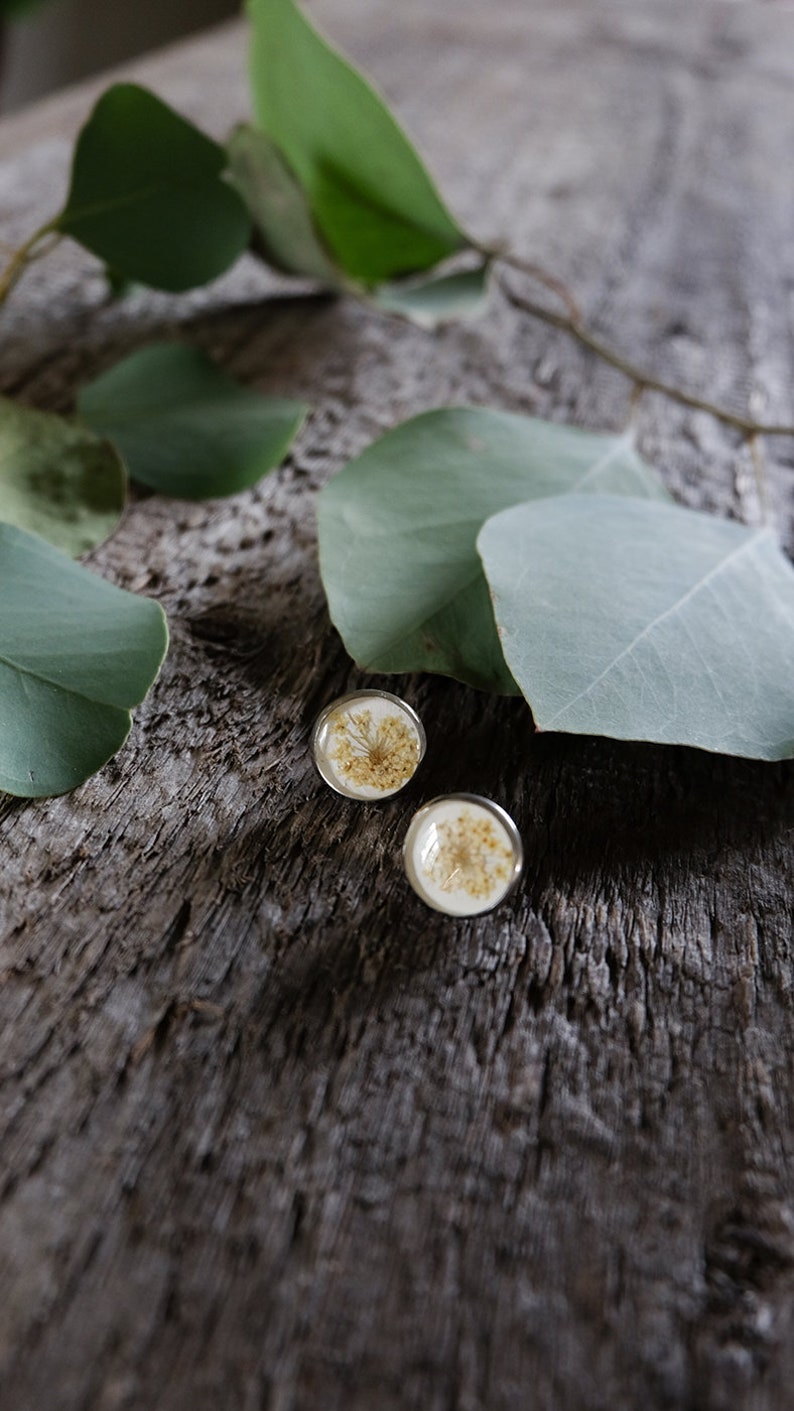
x=185, y=427
x=437, y=299
x=147, y=194
x=646, y=621
x=287, y=237
x=398, y=531
x=57, y=479
x=76, y=654
x=368, y=191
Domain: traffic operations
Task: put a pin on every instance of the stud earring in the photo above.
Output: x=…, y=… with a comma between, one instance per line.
x=368, y=745
x=462, y=854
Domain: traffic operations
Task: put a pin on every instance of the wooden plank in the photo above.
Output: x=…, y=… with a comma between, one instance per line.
x=273, y=1135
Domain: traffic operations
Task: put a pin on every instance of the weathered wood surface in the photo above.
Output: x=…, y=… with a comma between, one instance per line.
x=272, y=1135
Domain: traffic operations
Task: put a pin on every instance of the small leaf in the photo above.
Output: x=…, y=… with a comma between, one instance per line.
x=646, y=621
x=368, y=191
x=186, y=428
x=278, y=206
x=398, y=531
x=287, y=238
x=437, y=299
x=147, y=194
x=75, y=655
x=58, y=480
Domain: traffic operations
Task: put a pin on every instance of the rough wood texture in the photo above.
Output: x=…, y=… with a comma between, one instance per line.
x=275, y=1137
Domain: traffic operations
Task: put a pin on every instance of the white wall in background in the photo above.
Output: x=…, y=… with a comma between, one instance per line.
x=70, y=38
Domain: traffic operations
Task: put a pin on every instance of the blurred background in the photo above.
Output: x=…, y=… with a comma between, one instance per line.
x=45, y=44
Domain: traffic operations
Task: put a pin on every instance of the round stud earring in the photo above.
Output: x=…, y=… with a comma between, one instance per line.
x=368, y=744
x=462, y=854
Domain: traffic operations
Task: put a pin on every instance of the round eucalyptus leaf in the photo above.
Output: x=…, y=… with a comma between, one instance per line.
x=57, y=479
x=436, y=299
x=287, y=237
x=646, y=621
x=398, y=531
x=184, y=427
x=148, y=194
x=76, y=654
x=373, y=201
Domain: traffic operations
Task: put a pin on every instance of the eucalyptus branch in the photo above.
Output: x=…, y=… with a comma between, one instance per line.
x=643, y=379
x=40, y=243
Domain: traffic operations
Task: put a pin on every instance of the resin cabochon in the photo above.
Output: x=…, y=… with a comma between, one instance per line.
x=462, y=855
x=368, y=745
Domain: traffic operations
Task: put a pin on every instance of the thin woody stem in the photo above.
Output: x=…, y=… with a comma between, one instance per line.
x=642, y=379
x=534, y=271
x=32, y=249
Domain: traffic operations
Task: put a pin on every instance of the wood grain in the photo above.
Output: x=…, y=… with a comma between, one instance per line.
x=273, y=1136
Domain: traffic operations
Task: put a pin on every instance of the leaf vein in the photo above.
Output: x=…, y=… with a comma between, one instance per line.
x=651, y=626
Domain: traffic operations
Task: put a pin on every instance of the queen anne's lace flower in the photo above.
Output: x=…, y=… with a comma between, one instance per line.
x=470, y=856
x=381, y=756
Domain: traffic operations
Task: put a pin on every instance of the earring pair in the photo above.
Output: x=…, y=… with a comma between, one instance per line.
x=462, y=853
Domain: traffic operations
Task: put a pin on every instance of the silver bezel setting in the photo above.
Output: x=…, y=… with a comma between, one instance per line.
x=503, y=819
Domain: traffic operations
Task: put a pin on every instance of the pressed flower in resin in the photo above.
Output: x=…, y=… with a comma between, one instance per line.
x=462, y=854
x=368, y=745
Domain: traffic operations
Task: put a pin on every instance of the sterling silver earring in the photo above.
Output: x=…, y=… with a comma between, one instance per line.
x=462, y=854
x=368, y=745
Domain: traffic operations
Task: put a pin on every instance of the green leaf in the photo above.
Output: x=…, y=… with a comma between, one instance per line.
x=288, y=239
x=437, y=299
x=368, y=191
x=75, y=655
x=398, y=531
x=148, y=196
x=186, y=428
x=57, y=479
x=286, y=232
x=646, y=621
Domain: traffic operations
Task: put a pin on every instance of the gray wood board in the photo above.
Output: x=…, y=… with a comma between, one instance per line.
x=273, y=1135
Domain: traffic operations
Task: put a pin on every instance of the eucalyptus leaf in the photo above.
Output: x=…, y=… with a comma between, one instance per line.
x=646, y=621
x=438, y=298
x=185, y=427
x=57, y=479
x=398, y=531
x=76, y=654
x=287, y=237
x=372, y=199
x=148, y=195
